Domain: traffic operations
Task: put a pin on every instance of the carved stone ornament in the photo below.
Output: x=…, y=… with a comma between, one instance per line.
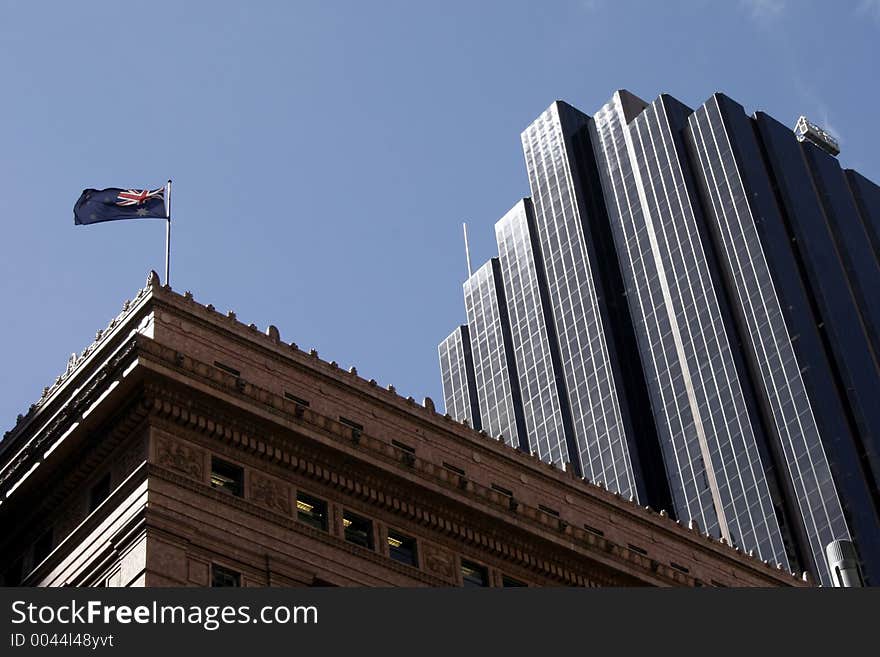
x=438, y=561
x=270, y=493
x=176, y=456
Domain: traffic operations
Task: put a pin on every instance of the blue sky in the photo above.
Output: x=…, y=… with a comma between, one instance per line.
x=324, y=154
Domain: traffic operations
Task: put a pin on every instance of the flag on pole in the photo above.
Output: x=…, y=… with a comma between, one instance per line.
x=97, y=205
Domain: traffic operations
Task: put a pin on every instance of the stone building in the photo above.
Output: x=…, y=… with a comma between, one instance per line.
x=184, y=448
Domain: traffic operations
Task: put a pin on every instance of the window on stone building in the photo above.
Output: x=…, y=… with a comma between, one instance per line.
x=502, y=490
x=226, y=368
x=510, y=582
x=227, y=476
x=357, y=426
x=402, y=548
x=295, y=399
x=358, y=530
x=473, y=574
x=636, y=548
x=221, y=576
x=100, y=492
x=311, y=511
x=403, y=446
x=357, y=429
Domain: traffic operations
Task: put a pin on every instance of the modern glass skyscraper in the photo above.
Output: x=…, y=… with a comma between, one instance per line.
x=867, y=198
x=739, y=202
x=691, y=316
x=562, y=192
x=459, y=385
x=706, y=428
x=495, y=373
x=842, y=360
x=849, y=234
x=547, y=421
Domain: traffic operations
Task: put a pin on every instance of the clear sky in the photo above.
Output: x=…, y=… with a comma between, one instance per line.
x=324, y=154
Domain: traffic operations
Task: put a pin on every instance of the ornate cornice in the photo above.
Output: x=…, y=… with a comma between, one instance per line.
x=425, y=414
x=69, y=413
x=271, y=442
x=76, y=361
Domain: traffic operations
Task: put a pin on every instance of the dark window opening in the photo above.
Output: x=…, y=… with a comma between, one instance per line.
x=221, y=576
x=358, y=530
x=356, y=428
x=508, y=582
x=548, y=510
x=311, y=511
x=43, y=546
x=409, y=453
x=406, y=448
x=473, y=574
x=227, y=476
x=593, y=530
x=351, y=424
x=296, y=400
x=636, y=548
x=100, y=492
x=502, y=490
x=402, y=548
x=679, y=567
x=454, y=468
x=226, y=368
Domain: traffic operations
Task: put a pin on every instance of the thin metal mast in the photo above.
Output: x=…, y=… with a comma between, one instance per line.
x=467, y=251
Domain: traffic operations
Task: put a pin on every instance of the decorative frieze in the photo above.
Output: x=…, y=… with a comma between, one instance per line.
x=182, y=458
x=438, y=561
x=270, y=492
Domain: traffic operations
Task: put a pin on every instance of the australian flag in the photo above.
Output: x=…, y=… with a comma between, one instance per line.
x=96, y=205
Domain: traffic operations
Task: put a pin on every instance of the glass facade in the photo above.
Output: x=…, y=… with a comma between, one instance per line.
x=457, y=376
x=706, y=431
x=842, y=376
x=532, y=345
x=687, y=309
x=495, y=374
x=853, y=241
x=587, y=367
x=867, y=197
x=727, y=175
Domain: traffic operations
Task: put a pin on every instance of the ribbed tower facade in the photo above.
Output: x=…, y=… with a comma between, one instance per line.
x=688, y=313
x=704, y=422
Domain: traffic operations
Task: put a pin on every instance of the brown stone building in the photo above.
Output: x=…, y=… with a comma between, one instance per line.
x=185, y=448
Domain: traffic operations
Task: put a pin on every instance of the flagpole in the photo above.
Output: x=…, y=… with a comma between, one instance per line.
x=168, y=232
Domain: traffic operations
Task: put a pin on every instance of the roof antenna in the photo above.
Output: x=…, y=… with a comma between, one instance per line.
x=467, y=251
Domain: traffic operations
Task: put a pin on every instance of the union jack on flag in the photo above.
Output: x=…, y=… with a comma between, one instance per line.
x=139, y=197
x=96, y=205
